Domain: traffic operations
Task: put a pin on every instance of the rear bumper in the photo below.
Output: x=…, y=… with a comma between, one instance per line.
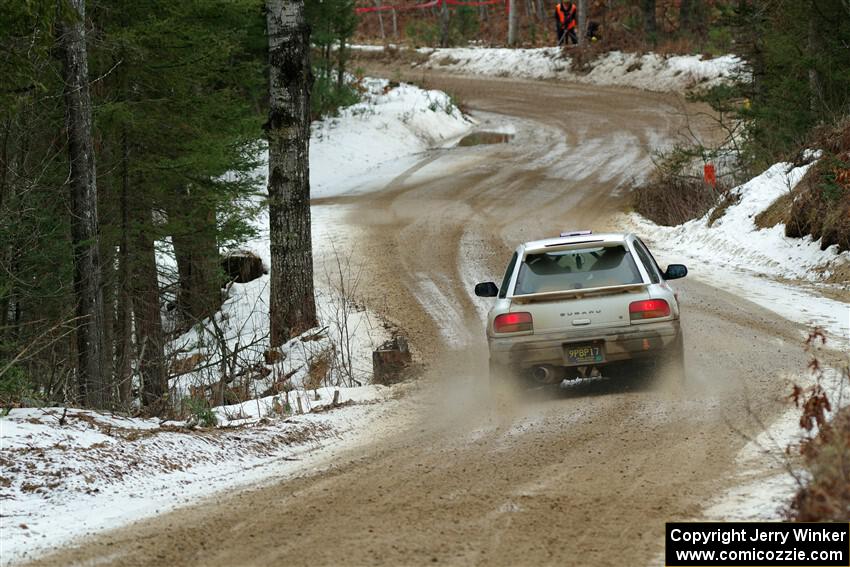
x=647, y=340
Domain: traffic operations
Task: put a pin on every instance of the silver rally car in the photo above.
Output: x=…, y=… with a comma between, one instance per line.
x=570, y=305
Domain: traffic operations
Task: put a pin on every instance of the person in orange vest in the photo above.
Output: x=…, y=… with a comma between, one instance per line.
x=565, y=22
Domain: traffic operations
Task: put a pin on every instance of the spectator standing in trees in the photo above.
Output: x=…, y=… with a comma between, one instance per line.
x=565, y=22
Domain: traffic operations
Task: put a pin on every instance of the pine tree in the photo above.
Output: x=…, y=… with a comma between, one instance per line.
x=801, y=71
x=177, y=103
x=332, y=23
x=182, y=117
x=93, y=385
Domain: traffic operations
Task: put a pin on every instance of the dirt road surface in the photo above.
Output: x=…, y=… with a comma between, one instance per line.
x=585, y=476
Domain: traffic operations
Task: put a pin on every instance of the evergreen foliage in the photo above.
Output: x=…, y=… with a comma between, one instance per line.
x=178, y=91
x=332, y=23
x=801, y=71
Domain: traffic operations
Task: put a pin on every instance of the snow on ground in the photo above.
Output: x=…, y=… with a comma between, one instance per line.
x=105, y=470
x=736, y=255
x=648, y=71
x=368, y=142
x=338, y=353
x=766, y=475
x=391, y=123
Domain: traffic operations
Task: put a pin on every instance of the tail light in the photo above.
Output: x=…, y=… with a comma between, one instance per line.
x=513, y=322
x=648, y=309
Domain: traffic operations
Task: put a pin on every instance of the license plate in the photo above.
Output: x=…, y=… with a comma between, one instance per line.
x=587, y=353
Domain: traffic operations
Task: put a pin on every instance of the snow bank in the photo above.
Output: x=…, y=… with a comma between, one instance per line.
x=757, y=263
x=391, y=123
x=65, y=474
x=648, y=71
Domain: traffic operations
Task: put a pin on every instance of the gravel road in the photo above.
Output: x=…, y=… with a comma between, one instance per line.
x=583, y=476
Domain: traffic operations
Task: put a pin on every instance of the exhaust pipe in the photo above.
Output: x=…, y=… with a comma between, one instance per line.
x=547, y=374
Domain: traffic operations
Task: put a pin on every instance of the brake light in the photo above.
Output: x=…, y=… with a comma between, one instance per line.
x=648, y=309
x=513, y=322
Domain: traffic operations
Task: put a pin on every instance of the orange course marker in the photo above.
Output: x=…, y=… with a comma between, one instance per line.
x=710, y=174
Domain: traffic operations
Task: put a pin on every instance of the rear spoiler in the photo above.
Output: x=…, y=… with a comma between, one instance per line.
x=577, y=293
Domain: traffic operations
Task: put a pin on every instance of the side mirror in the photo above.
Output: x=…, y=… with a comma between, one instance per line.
x=486, y=289
x=675, y=271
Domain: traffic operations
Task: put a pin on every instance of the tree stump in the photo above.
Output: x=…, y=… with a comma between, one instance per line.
x=242, y=267
x=390, y=360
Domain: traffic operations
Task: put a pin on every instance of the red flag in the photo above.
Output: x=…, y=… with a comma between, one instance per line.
x=709, y=174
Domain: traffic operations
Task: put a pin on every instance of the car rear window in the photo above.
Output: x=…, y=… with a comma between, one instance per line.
x=560, y=270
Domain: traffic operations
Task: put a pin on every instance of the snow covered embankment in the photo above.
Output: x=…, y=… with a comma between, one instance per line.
x=779, y=273
x=649, y=71
x=393, y=123
x=103, y=470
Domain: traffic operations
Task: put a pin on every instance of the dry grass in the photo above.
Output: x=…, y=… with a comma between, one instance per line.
x=388, y=55
x=727, y=199
x=779, y=212
x=320, y=367
x=822, y=208
x=826, y=497
x=581, y=59
x=672, y=200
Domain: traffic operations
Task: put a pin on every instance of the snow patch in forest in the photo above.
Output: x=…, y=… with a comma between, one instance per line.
x=648, y=71
x=757, y=263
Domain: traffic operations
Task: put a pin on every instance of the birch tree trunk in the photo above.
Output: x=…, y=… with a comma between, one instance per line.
x=293, y=305
x=84, y=229
x=512, y=22
x=813, y=49
x=381, y=21
x=444, y=23
x=581, y=32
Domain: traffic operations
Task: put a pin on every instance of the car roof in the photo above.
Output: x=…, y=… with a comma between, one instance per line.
x=600, y=238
